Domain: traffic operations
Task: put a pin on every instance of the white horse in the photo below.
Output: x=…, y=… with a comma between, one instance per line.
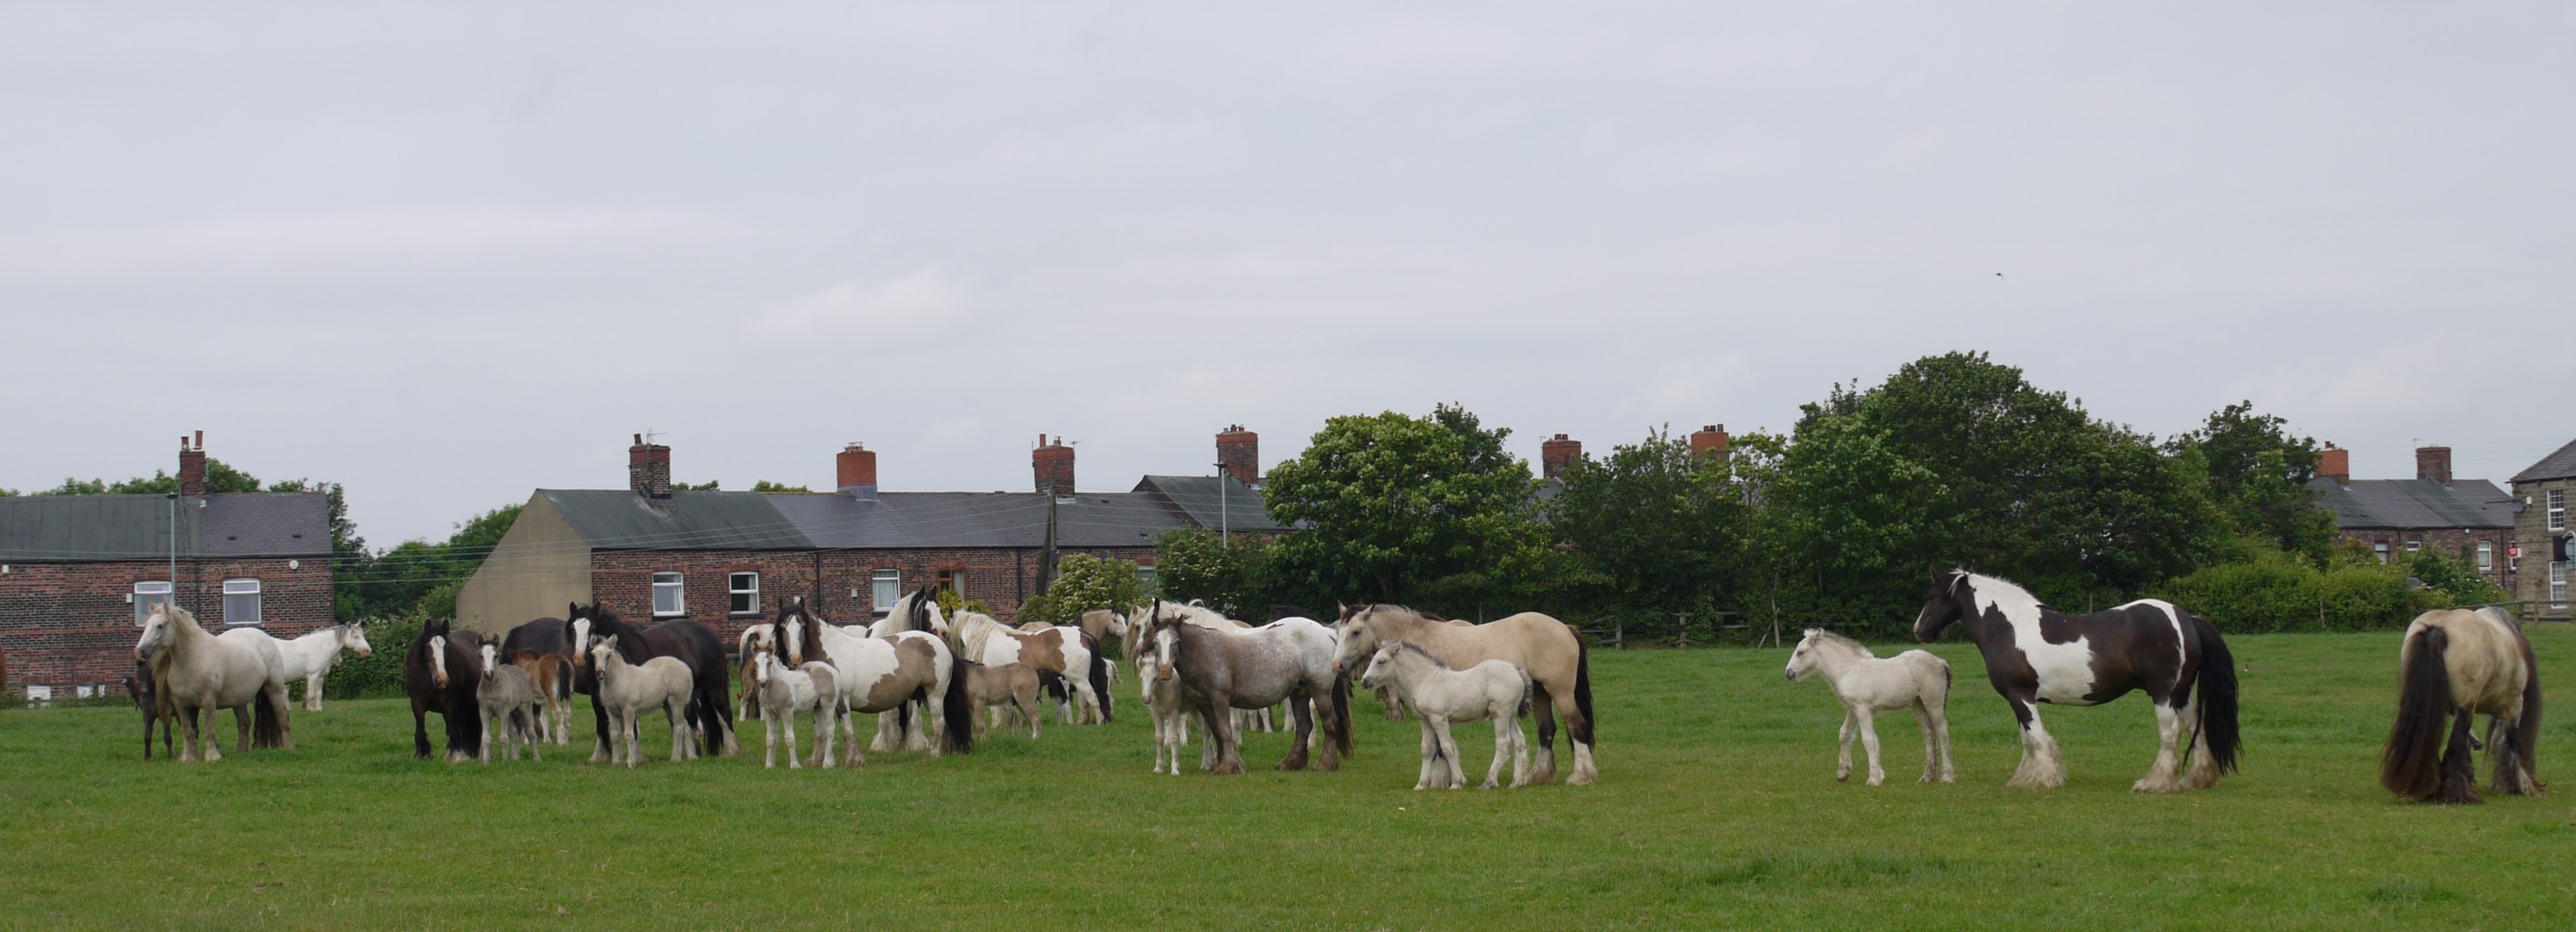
x=508, y=698
x=1868, y=685
x=786, y=691
x=1494, y=690
x=628, y=689
x=1062, y=651
x=200, y=671
x=311, y=657
x=1162, y=695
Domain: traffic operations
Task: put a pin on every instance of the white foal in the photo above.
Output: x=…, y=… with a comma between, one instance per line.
x=1869, y=685
x=786, y=692
x=1171, y=717
x=1494, y=690
x=509, y=704
x=629, y=689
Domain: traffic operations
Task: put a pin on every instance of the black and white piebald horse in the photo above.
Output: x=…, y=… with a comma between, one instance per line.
x=2037, y=654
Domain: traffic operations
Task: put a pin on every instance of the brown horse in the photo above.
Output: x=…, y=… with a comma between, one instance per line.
x=144, y=687
x=2456, y=664
x=1559, y=665
x=441, y=672
x=1065, y=652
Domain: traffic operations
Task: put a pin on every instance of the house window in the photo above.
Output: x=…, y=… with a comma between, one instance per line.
x=953, y=581
x=1145, y=579
x=2486, y=557
x=2414, y=545
x=744, y=588
x=887, y=586
x=2558, y=509
x=2558, y=584
x=668, y=599
x=2380, y=548
x=241, y=601
x=147, y=595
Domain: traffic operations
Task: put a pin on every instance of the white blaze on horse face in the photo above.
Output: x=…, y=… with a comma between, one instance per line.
x=2065, y=670
x=491, y=655
x=438, y=658
x=581, y=637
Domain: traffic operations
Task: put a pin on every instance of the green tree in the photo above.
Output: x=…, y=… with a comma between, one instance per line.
x=1234, y=578
x=2258, y=474
x=1654, y=527
x=221, y=479
x=765, y=485
x=1084, y=582
x=2453, y=578
x=1393, y=507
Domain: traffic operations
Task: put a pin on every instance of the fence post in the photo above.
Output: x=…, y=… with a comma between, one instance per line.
x=1682, y=619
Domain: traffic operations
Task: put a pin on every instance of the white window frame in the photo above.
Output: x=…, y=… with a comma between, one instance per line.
x=678, y=586
x=2486, y=557
x=2558, y=584
x=241, y=588
x=2380, y=548
x=148, y=593
x=885, y=587
x=2558, y=509
x=734, y=591
x=1147, y=579
x=2414, y=545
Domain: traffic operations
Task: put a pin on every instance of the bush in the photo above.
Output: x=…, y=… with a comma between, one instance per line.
x=380, y=676
x=2276, y=592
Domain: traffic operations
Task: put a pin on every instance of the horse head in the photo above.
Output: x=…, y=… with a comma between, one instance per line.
x=763, y=658
x=1941, y=605
x=491, y=653
x=1355, y=635
x=1802, y=661
x=1379, y=661
x=353, y=637
x=157, y=633
x=795, y=629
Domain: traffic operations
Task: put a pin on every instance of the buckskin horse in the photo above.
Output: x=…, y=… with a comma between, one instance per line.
x=1559, y=664
x=2457, y=664
x=2037, y=654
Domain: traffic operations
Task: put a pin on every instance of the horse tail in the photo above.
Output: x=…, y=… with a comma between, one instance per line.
x=2412, y=764
x=2523, y=760
x=1100, y=678
x=1582, y=730
x=957, y=712
x=1340, y=723
x=1526, y=693
x=2217, y=696
x=267, y=720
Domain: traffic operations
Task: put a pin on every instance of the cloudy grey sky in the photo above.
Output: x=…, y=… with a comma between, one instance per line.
x=447, y=253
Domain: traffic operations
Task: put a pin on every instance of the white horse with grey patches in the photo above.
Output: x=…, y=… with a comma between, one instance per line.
x=1494, y=690
x=786, y=691
x=508, y=698
x=1868, y=684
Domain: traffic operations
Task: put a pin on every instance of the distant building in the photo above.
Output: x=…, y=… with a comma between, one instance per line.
x=2397, y=517
x=2542, y=532
x=78, y=573
x=651, y=552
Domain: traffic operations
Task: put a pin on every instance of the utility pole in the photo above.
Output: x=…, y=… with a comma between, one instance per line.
x=1046, y=558
x=1224, y=530
x=174, y=550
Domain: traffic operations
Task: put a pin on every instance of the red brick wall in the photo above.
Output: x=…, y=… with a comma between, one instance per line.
x=1003, y=578
x=68, y=624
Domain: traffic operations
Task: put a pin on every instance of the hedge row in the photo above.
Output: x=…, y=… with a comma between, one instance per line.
x=2287, y=595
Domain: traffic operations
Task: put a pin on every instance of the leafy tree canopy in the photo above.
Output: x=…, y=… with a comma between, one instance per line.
x=1084, y=582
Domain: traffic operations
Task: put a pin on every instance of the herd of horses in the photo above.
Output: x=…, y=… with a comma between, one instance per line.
x=927, y=676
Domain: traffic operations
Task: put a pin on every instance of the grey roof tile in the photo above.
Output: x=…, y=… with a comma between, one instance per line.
x=2559, y=465
x=2403, y=504
x=79, y=528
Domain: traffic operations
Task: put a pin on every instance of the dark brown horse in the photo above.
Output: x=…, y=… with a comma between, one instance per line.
x=710, y=702
x=145, y=689
x=441, y=672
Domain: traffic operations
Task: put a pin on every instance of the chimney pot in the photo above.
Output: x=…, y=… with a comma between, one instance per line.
x=648, y=469
x=1557, y=453
x=192, y=466
x=856, y=469
x=2433, y=463
x=2335, y=463
x=1238, y=454
x=1052, y=463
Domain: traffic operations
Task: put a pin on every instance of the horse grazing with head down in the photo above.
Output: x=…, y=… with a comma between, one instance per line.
x=309, y=659
x=1559, y=665
x=441, y=672
x=2037, y=654
x=202, y=672
x=2457, y=664
x=710, y=707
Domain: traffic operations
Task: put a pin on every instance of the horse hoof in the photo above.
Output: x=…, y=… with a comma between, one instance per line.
x=1877, y=781
x=1840, y=776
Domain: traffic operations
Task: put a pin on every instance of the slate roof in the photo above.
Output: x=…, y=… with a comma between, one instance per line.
x=1198, y=497
x=618, y=519
x=2559, y=465
x=2405, y=504
x=99, y=528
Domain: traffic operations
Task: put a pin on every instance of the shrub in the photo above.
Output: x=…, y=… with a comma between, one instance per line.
x=2275, y=592
x=380, y=676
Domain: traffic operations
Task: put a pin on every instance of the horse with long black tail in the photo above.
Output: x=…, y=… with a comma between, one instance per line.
x=2457, y=664
x=2036, y=654
x=710, y=709
x=1559, y=664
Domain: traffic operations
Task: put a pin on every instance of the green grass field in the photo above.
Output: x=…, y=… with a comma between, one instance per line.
x=1717, y=806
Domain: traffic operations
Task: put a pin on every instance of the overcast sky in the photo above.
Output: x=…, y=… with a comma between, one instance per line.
x=447, y=253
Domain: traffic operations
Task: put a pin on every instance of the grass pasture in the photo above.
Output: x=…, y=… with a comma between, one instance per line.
x=1717, y=807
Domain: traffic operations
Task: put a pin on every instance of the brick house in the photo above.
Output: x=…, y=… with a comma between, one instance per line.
x=2396, y=517
x=78, y=573
x=649, y=551
x=2543, y=532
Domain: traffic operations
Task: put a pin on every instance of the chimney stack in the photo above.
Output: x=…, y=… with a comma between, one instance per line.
x=1555, y=453
x=2335, y=463
x=1052, y=461
x=648, y=469
x=2433, y=463
x=857, y=471
x=1710, y=442
x=1238, y=453
x=192, y=466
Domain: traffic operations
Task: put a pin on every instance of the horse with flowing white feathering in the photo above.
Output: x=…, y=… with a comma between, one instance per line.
x=897, y=674
x=1559, y=665
x=1868, y=685
x=203, y=673
x=2036, y=654
x=1490, y=691
x=309, y=658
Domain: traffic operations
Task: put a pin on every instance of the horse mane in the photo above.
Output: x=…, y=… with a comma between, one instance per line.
x=972, y=628
x=1408, y=647
x=1823, y=636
